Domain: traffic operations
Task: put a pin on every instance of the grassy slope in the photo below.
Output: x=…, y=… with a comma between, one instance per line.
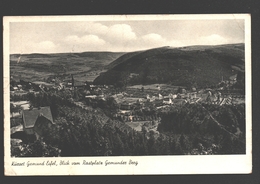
x=204, y=65
x=38, y=66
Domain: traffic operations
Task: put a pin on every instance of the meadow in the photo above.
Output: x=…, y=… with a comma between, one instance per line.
x=37, y=67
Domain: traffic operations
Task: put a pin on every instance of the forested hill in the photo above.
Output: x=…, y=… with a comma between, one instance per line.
x=201, y=65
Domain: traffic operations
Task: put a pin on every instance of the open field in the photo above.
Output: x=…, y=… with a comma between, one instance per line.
x=155, y=87
x=127, y=100
x=136, y=125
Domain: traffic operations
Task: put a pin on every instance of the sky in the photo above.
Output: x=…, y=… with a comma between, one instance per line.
x=121, y=36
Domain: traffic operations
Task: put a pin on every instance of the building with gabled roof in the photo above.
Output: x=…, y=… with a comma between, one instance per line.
x=37, y=121
x=167, y=101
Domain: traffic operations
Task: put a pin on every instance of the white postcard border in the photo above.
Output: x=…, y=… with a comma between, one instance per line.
x=195, y=164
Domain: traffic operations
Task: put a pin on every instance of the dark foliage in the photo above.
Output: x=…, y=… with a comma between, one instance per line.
x=198, y=65
x=207, y=125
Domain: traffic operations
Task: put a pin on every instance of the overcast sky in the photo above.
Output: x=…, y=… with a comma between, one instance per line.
x=120, y=36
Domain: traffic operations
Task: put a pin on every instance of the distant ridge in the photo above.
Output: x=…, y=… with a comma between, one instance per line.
x=85, y=65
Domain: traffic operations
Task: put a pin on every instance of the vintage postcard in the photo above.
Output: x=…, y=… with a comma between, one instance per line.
x=127, y=94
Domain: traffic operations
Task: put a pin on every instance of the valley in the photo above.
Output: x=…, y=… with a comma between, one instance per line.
x=161, y=101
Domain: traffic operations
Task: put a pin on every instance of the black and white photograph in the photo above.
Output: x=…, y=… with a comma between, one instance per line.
x=127, y=94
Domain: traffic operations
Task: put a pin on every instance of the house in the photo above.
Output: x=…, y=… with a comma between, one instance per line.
x=167, y=101
x=15, y=88
x=60, y=86
x=37, y=121
x=91, y=96
x=119, y=95
x=126, y=106
x=193, y=89
x=163, y=106
x=160, y=97
x=139, y=100
x=150, y=99
x=19, y=86
x=192, y=95
x=101, y=97
x=133, y=75
x=227, y=100
x=80, y=85
x=183, y=91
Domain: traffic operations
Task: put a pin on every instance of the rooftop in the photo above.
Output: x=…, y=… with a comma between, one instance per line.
x=30, y=116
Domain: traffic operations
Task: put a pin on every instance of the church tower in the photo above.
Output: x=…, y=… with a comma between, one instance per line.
x=72, y=80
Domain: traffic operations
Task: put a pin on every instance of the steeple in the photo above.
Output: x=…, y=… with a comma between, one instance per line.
x=72, y=80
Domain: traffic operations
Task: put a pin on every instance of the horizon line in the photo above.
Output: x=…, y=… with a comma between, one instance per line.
x=123, y=51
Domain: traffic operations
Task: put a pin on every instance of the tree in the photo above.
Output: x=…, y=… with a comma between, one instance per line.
x=39, y=149
x=151, y=144
x=144, y=130
x=120, y=85
x=118, y=146
x=142, y=89
x=111, y=103
x=76, y=95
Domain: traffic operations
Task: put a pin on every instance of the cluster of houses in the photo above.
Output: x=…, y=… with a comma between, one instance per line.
x=55, y=84
x=98, y=97
x=19, y=87
x=173, y=98
x=27, y=86
x=128, y=104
